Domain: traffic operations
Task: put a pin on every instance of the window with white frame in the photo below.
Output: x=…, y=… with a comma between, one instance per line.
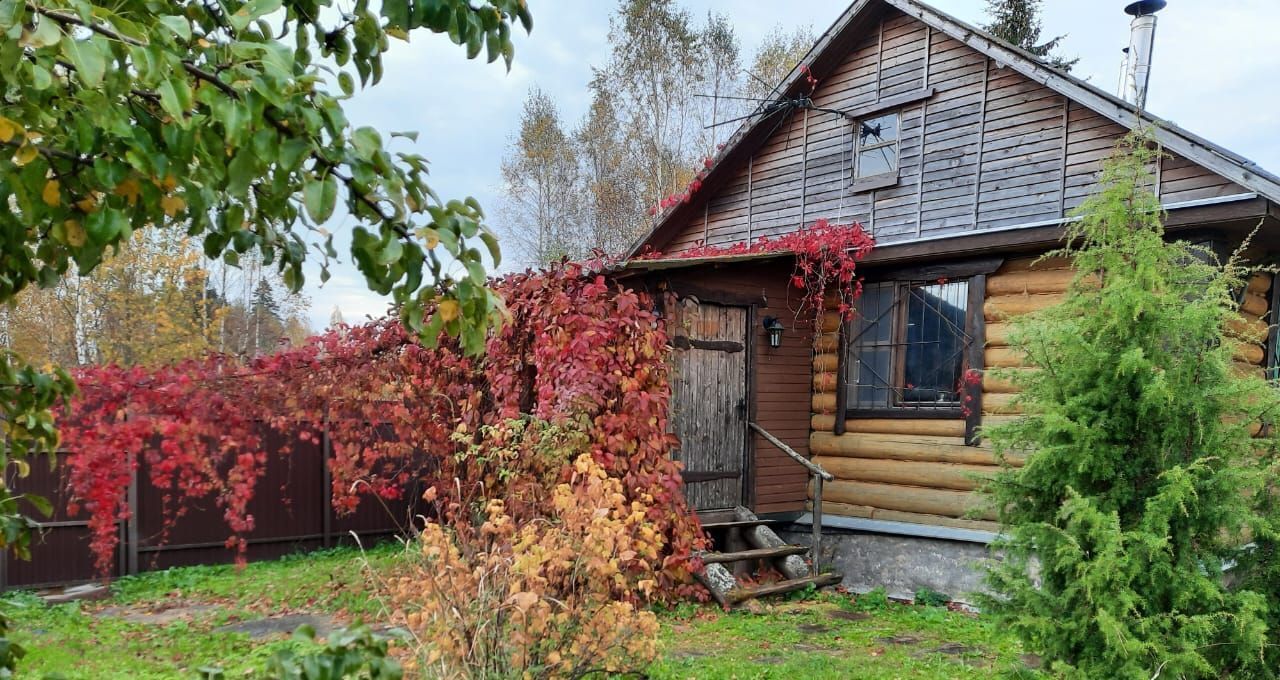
x=876, y=153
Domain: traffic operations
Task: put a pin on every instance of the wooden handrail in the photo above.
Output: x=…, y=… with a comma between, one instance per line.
x=819, y=475
x=813, y=467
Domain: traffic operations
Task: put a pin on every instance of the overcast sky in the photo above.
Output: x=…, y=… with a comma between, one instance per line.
x=1216, y=67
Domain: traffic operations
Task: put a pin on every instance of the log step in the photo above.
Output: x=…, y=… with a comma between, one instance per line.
x=741, y=524
x=754, y=554
x=739, y=595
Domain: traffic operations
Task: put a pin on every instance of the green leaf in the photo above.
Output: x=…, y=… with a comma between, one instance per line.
x=105, y=226
x=40, y=503
x=86, y=55
x=320, y=196
x=259, y=8
x=396, y=12
x=46, y=34
x=491, y=242
x=169, y=101
x=292, y=151
x=179, y=26
x=243, y=240
x=413, y=316
x=449, y=239
x=391, y=252
x=241, y=172
x=11, y=13
x=367, y=141
x=347, y=83
x=476, y=271
x=41, y=78
x=293, y=279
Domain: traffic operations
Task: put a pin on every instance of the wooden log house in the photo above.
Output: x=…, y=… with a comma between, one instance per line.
x=962, y=156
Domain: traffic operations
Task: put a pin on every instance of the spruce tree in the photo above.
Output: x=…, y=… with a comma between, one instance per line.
x=1017, y=22
x=1135, y=509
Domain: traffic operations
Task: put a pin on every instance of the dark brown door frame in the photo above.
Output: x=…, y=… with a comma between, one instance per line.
x=749, y=392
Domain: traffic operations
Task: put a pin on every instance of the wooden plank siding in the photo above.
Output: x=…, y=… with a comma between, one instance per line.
x=990, y=149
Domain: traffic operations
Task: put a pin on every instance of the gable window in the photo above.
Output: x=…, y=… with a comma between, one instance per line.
x=906, y=348
x=877, y=146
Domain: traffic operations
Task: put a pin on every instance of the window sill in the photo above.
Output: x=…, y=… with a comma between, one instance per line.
x=874, y=182
x=941, y=413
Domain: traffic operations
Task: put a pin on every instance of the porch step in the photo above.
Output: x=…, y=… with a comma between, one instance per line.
x=754, y=554
x=739, y=595
x=739, y=524
x=752, y=542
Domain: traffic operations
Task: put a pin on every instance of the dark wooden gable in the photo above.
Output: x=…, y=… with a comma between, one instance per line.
x=986, y=149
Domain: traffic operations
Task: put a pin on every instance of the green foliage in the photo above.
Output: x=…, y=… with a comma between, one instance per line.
x=10, y=651
x=873, y=600
x=26, y=397
x=219, y=119
x=1017, y=22
x=1141, y=474
x=348, y=653
x=803, y=594
x=354, y=652
x=931, y=598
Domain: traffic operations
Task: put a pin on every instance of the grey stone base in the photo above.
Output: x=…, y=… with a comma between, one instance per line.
x=900, y=564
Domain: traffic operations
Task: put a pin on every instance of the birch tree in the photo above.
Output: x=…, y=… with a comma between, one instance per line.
x=541, y=182
x=609, y=152
x=775, y=57
x=655, y=71
x=722, y=62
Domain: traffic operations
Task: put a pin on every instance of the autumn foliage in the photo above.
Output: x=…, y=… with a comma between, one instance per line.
x=578, y=352
x=560, y=598
x=826, y=254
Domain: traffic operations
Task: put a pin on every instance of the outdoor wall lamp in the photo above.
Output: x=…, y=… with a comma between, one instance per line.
x=774, y=328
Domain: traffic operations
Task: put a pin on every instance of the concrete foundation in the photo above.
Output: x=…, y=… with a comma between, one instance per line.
x=900, y=564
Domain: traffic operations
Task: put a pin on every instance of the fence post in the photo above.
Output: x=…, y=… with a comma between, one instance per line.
x=131, y=540
x=326, y=497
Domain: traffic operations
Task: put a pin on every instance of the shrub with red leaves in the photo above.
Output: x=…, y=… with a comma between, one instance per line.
x=578, y=351
x=827, y=257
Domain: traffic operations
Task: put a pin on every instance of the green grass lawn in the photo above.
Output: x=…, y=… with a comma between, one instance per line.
x=109, y=639
x=163, y=625
x=833, y=636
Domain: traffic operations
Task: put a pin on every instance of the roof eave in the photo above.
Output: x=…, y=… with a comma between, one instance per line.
x=1222, y=161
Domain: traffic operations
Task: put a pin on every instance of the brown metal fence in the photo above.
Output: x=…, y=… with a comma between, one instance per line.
x=291, y=510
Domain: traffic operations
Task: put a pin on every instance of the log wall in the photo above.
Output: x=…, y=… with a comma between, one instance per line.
x=989, y=149
x=922, y=471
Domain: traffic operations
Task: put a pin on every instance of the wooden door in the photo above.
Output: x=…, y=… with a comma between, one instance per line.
x=709, y=401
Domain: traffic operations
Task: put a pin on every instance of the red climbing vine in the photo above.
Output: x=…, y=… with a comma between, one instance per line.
x=579, y=367
x=827, y=256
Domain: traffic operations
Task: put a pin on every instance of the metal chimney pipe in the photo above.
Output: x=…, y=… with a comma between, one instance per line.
x=1142, y=40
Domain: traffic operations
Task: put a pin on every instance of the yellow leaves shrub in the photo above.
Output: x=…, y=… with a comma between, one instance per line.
x=554, y=597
